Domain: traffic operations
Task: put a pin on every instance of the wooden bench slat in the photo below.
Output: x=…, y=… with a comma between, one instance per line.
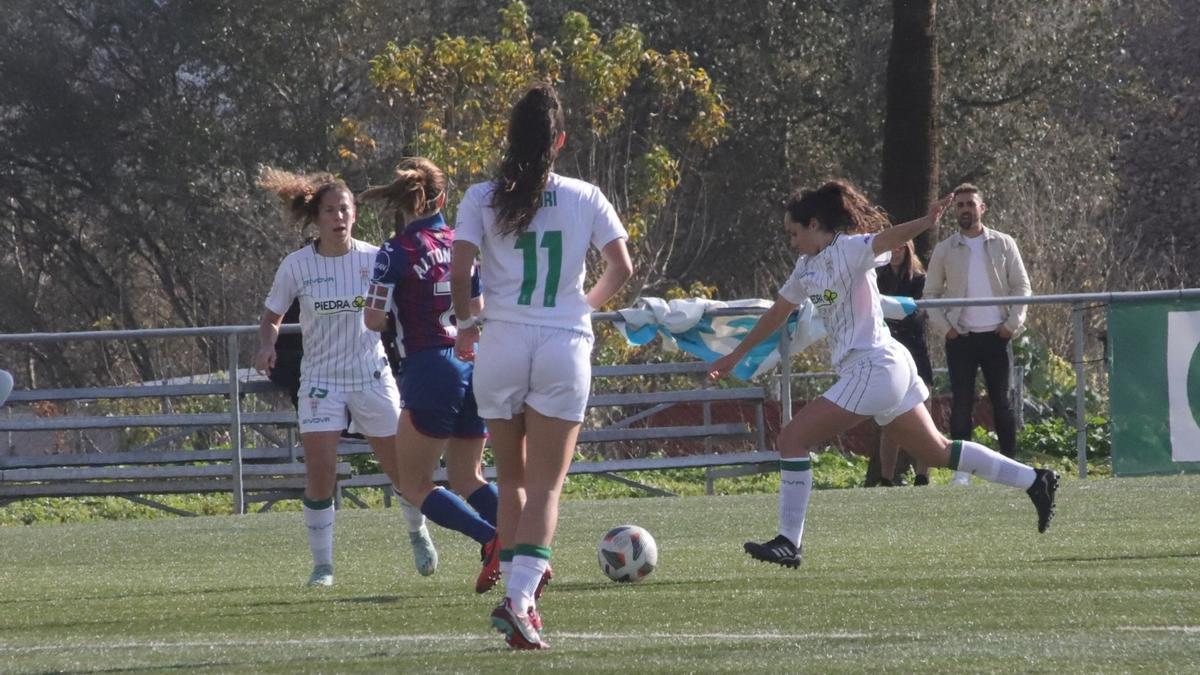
x=651, y=369
x=149, y=472
x=130, y=421
x=661, y=433
x=139, y=391
x=166, y=486
x=142, y=457
x=687, y=396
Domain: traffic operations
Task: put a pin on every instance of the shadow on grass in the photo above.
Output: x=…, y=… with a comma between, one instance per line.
x=166, y=592
x=160, y=668
x=588, y=586
x=1131, y=556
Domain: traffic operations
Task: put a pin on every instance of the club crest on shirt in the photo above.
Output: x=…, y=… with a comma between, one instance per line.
x=315, y=394
x=825, y=299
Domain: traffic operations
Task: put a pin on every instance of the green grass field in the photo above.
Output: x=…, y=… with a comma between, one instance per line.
x=940, y=578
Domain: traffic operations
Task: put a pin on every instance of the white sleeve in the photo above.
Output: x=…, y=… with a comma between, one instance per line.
x=468, y=224
x=860, y=253
x=283, y=290
x=606, y=226
x=795, y=289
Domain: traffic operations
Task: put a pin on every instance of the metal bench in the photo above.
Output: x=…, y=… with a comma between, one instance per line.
x=642, y=407
x=239, y=469
x=254, y=474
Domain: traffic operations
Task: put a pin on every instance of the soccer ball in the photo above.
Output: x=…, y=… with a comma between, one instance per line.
x=627, y=553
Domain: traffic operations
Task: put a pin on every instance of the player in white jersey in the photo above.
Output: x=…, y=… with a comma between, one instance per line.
x=841, y=239
x=533, y=368
x=344, y=367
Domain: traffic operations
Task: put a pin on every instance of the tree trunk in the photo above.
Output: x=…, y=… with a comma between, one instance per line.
x=910, y=130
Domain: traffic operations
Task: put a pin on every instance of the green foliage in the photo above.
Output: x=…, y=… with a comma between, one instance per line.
x=1050, y=380
x=628, y=106
x=1054, y=437
x=82, y=509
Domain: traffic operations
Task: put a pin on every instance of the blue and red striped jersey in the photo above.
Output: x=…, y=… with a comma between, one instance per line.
x=416, y=265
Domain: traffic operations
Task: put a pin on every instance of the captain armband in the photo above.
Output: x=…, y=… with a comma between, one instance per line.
x=378, y=296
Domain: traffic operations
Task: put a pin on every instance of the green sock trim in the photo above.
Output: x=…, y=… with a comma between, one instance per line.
x=795, y=464
x=506, y=555
x=317, y=504
x=532, y=551
x=955, y=454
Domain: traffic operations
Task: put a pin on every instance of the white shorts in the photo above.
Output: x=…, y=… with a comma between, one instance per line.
x=882, y=383
x=375, y=411
x=549, y=369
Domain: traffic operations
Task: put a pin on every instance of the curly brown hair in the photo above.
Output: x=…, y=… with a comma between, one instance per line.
x=301, y=194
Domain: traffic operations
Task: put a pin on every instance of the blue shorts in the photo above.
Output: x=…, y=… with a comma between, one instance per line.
x=439, y=396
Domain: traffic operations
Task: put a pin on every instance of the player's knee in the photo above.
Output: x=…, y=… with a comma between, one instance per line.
x=415, y=491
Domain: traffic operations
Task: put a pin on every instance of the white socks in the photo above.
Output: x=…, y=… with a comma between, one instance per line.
x=412, y=514
x=990, y=465
x=527, y=571
x=795, y=486
x=320, y=533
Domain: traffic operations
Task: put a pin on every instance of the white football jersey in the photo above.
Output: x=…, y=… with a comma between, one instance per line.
x=840, y=281
x=339, y=352
x=537, y=278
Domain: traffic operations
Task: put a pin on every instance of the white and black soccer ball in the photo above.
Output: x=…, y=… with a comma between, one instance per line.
x=627, y=553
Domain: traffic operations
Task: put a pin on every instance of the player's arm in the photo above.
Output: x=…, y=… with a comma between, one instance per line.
x=618, y=268
x=462, y=262
x=767, y=324
x=375, y=313
x=268, y=333
x=896, y=236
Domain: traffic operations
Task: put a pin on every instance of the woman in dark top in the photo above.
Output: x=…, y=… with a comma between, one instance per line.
x=905, y=275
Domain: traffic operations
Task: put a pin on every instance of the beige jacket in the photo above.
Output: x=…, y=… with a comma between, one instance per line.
x=947, y=278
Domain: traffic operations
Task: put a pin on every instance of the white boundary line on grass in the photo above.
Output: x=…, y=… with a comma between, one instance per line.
x=1161, y=629
x=381, y=639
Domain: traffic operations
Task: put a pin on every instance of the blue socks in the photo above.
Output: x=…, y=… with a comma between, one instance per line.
x=485, y=501
x=449, y=510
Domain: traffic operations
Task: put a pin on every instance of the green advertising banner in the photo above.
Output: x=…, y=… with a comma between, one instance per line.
x=1154, y=382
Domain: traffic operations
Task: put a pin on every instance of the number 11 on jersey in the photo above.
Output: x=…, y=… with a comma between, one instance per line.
x=552, y=242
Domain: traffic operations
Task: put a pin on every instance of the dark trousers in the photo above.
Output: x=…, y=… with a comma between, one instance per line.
x=286, y=373
x=967, y=354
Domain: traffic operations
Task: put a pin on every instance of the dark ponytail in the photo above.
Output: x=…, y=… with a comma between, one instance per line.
x=837, y=206
x=533, y=128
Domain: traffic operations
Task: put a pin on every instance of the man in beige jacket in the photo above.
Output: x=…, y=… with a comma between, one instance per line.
x=977, y=262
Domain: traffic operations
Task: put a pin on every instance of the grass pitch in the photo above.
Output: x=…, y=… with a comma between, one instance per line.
x=930, y=579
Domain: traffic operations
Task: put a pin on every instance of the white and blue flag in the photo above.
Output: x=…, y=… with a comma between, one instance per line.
x=685, y=325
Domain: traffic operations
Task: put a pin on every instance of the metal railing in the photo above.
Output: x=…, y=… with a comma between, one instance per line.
x=234, y=386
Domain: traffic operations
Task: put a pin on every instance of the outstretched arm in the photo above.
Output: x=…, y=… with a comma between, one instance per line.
x=898, y=234
x=768, y=323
